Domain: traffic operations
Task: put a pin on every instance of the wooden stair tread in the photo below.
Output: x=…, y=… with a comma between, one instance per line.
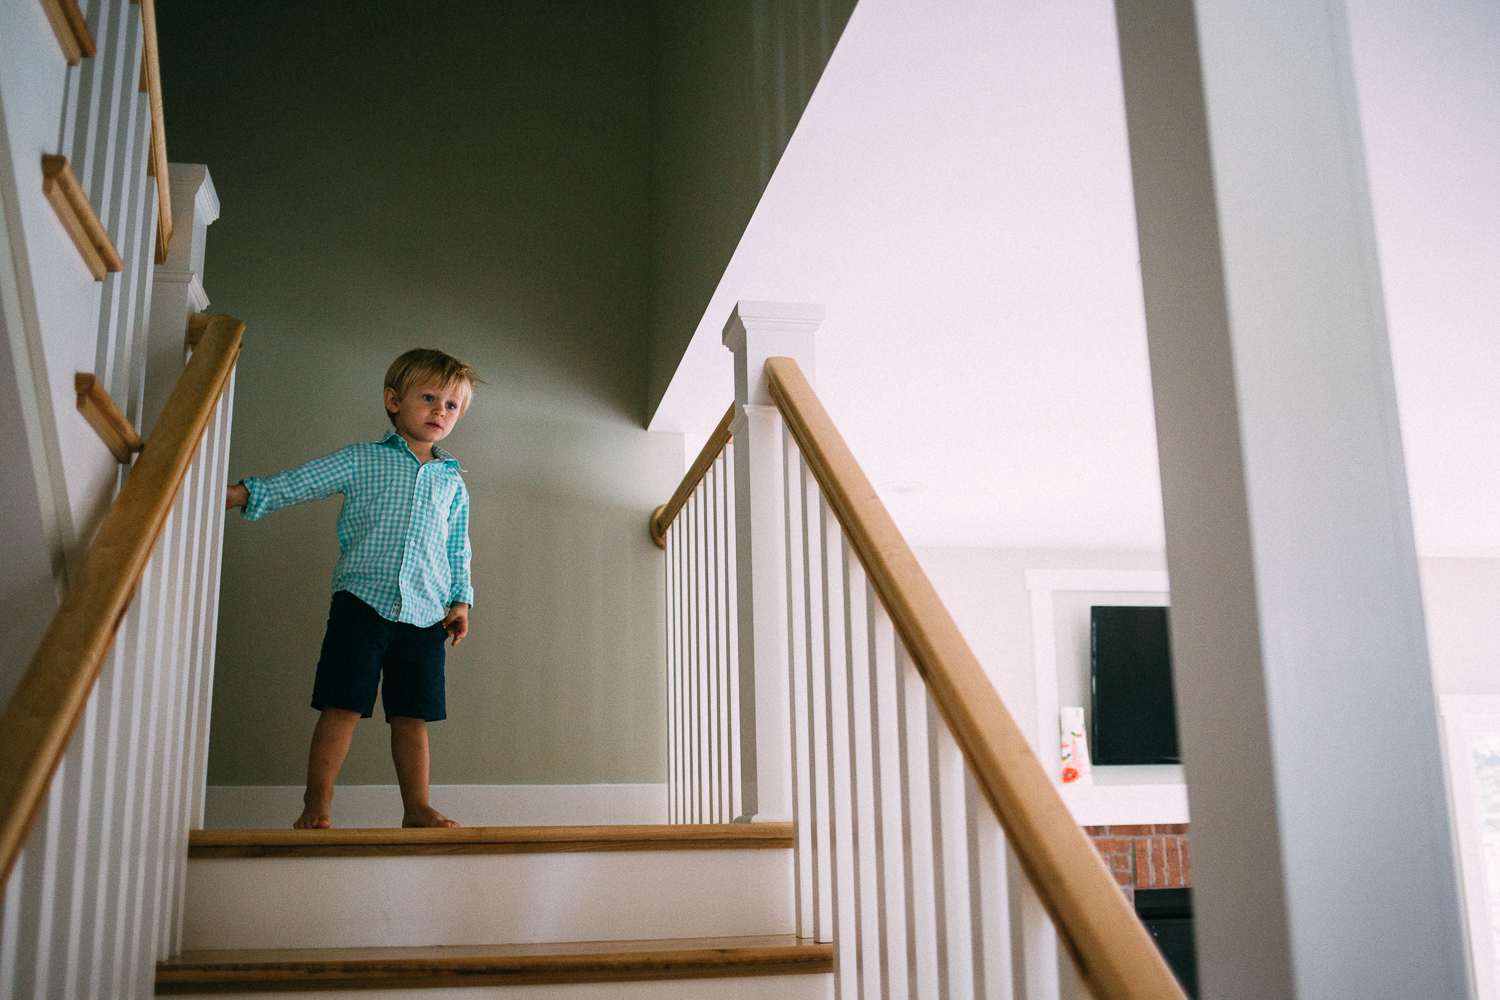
x=483, y=965
x=486, y=840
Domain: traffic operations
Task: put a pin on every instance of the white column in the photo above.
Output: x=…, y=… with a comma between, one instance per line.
x=1322, y=858
x=177, y=287
x=757, y=331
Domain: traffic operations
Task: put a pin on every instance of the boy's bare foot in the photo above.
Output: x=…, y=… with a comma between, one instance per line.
x=425, y=816
x=313, y=819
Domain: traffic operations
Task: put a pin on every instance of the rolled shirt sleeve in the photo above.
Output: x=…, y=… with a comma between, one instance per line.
x=317, y=479
x=458, y=548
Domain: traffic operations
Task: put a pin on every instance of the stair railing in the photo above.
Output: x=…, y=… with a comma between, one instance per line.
x=906, y=774
x=118, y=801
x=696, y=528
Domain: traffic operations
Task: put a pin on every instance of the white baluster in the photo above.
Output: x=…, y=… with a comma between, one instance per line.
x=887, y=688
x=916, y=823
x=862, y=753
x=988, y=895
x=704, y=671
x=810, y=510
x=684, y=658
x=684, y=632
x=69, y=785
x=689, y=688
x=674, y=664
x=707, y=702
x=801, y=690
x=199, y=656
x=119, y=915
x=1035, y=954
x=161, y=707
x=702, y=651
x=950, y=836
x=211, y=608
x=140, y=906
x=174, y=829
x=159, y=840
x=109, y=814
x=714, y=663
x=43, y=850
x=844, y=902
x=76, y=858
x=735, y=806
x=694, y=661
x=684, y=666
x=721, y=652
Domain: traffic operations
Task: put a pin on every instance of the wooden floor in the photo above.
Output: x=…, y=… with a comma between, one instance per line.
x=489, y=965
x=486, y=840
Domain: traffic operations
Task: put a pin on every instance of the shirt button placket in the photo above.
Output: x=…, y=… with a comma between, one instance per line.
x=411, y=518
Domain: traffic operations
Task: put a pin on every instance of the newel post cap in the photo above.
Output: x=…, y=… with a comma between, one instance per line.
x=759, y=330
x=770, y=317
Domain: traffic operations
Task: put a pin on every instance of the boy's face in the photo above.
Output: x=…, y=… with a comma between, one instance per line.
x=427, y=412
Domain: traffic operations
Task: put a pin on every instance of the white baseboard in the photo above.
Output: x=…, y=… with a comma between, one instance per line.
x=261, y=807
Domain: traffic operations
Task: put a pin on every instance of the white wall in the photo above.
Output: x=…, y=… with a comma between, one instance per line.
x=1462, y=601
x=957, y=194
x=985, y=590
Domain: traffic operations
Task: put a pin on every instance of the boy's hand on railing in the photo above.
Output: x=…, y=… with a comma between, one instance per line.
x=236, y=496
x=456, y=622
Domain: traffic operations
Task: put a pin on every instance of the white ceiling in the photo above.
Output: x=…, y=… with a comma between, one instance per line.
x=958, y=196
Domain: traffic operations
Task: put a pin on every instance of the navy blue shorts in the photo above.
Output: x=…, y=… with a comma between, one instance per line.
x=360, y=645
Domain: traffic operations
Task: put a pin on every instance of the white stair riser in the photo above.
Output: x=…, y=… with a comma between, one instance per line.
x=486, y=899
x=814, y=987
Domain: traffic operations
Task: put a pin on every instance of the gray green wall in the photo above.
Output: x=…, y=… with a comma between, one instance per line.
x=472, y=178
x=548, y=191
x=729, y=81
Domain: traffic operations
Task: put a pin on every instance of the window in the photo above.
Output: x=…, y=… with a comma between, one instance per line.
x=1471, y=736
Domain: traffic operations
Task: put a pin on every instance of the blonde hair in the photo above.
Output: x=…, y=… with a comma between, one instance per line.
x=423, y=364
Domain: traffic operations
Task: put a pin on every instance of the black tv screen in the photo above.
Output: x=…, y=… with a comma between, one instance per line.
x=1134, y=714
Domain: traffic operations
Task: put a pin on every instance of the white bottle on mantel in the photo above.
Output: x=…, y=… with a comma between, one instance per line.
x=1076, y=769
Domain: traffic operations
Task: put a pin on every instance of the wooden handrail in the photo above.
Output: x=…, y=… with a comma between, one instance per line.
x=156, y=163
x=662, y=517
x=1115, y=957
x=104, y=416
x=46, y=707
x=71, y=203
x=71, y=29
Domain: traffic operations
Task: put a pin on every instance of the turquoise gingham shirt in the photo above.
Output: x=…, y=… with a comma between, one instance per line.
x=403, y=531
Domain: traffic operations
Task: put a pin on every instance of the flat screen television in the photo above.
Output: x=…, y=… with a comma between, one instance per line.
x=1134, y=713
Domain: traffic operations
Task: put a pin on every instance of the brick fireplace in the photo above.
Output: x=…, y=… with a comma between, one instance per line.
x=1145, y=857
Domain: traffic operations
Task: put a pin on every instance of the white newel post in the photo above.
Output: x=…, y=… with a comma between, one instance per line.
x=757, y=331
x=177, y=288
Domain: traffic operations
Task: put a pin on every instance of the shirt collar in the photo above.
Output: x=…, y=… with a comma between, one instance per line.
x=394, y=440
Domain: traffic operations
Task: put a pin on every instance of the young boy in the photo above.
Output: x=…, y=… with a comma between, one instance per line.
x=402, y=581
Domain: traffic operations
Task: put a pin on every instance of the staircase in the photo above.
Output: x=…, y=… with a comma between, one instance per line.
x=516, y=907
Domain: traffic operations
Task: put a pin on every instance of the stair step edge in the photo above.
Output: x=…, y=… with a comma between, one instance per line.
x=372, y=842
x=573, y=962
